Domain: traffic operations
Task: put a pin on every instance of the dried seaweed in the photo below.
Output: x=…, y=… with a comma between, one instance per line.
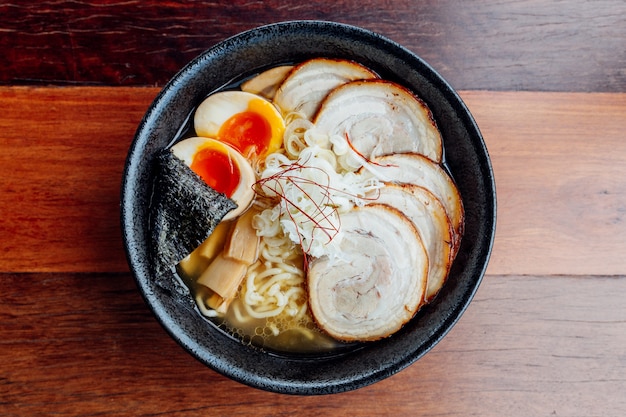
x=184, y=212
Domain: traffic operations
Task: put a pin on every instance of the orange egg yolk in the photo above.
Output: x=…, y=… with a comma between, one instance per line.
x=248, y=132
x=217, y=169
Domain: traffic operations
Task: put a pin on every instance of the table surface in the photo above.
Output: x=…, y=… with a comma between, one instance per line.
x=546, y=332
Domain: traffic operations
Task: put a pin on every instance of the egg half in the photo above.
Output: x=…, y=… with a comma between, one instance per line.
x=222, y=167
x=247, y=122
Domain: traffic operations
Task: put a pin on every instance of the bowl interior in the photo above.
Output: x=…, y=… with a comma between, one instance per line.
x=465, y=155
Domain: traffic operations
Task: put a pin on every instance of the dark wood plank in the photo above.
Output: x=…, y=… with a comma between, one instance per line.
x=559, y=162
x=573, y=45
x=85, y=344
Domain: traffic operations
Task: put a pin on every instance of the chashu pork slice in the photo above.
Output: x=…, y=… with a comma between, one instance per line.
x=409, y=168
x=309, y=83
x=380, y=117
x=266, y=83
x=377, y=281
x=431, y=221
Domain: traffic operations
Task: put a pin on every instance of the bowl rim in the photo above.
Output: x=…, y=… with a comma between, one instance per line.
x=131, y=228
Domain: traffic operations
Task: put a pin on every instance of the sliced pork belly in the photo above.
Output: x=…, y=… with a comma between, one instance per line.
x=380, y=117
x=431, y=221
x=266, y=83
x=416, y=169
x=377, y=281
x=310, y=82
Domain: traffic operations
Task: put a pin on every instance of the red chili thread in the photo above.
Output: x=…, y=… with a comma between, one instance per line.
x=321, y=219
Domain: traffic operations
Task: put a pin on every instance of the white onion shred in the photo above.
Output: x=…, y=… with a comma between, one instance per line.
x=315, y=181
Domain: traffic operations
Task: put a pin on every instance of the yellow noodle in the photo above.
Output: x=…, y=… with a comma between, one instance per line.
x=263, y=314
x=201, y=302
x=271, y=272
x=239, y=316
x=273, y=280
x=268, y=255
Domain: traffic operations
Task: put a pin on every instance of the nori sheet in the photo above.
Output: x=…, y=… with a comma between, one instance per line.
x=184, y=212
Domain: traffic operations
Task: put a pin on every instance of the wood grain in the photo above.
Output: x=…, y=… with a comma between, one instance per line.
x=559, y=162
x=61, y=166
x=573, y=45
x=546, y=332
x=85, y=344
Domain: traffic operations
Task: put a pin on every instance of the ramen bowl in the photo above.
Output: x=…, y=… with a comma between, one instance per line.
x=466, y=158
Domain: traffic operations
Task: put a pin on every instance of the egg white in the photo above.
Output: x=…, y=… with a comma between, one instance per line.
x=187, y=149
x=219, y=107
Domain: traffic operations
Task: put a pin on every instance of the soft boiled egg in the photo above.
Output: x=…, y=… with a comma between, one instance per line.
x=222, y=167
x=247, y=122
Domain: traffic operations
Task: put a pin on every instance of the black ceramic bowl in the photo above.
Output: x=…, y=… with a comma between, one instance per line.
x=465, y=156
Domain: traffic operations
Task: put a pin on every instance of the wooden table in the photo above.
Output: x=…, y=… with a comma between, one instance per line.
x=544, y=336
